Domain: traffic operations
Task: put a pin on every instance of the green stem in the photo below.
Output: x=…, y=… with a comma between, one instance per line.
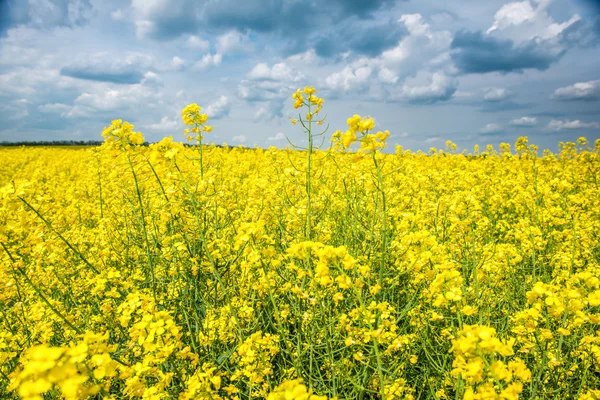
x=100, y=188
x=143, y=221
x=384, y=235
x=44, y=299
x=308, y=186
x=49, y=225
x=200, y=151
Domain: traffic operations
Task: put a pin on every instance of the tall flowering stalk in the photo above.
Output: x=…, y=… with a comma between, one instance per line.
x=307, y=98
x=192, y=117
x=373, y=144
x=370, y=143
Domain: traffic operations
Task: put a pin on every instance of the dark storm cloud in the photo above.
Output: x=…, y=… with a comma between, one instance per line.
x=66, y=13
x=331, y=27
x=286, y=16
x=130, y=69
x=123, y=77
x=365, y=40
x=474, y=52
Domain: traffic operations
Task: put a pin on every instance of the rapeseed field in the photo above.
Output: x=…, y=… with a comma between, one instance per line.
x=332, y=272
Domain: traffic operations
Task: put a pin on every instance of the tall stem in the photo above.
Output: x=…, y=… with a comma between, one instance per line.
x=143, y=223
x=308, y=188
x=201, y=162
x=384, y=221
x=100, y=186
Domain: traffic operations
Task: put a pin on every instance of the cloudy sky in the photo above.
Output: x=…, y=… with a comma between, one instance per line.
x=471, y=71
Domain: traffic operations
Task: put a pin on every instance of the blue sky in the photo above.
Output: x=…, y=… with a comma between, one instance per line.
x=471, y=71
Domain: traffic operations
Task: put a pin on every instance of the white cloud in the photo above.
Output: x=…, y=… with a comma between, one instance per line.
x=130, y=67
x=239, y=139
x=163, y=19
x=495, y=94
x=308, y=57
x=579, y=91
x=271, y=84
x=278, y=72
x=208, y=61
x=524, y=122
x=415, y=25
x=278, y=137
x=521, y=22
x=385, y=75
x=197, y=43
x=396, y=55
x=422, y=54
x=264, y=90
x=348, y=79
x=515, y=13
x=557, y=125
x=117, y=15
x=38, y=81
x=15, y=110
x=425, y=88
x=491, y=129
x=18, y=48
x=219, y=108
x=151, y=79
x=233, y=42
x=165, y=124
x=422, y=46
x=103, y=97
x=177, y=63
x=54, y=108
x=432, y=139
x=269, y=111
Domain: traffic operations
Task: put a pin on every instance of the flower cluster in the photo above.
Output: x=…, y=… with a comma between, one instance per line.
x=192, y=116
x=306, y=98
x=72, y=370
x=293, y=390
x=122, y=132
x=476, y=351
x=369, y=142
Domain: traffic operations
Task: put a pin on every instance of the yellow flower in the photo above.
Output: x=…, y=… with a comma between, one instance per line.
x=366, y=124
x=594, y=298
x=469, y=310
x=202, y=118
x=136, y=138
x=309, y=90
x=353, y=121
x=338, y=297
x=348, y=138
x=293, y=390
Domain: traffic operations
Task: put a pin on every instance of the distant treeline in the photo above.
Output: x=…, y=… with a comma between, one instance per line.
x=81, y=143
x=55, y=143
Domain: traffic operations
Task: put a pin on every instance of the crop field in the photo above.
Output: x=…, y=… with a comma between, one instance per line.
x=338, y=272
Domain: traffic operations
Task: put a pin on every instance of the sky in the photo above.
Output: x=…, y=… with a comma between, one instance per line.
x=470, y=71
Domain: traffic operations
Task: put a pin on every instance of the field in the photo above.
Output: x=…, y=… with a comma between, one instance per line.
x=166, y=271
